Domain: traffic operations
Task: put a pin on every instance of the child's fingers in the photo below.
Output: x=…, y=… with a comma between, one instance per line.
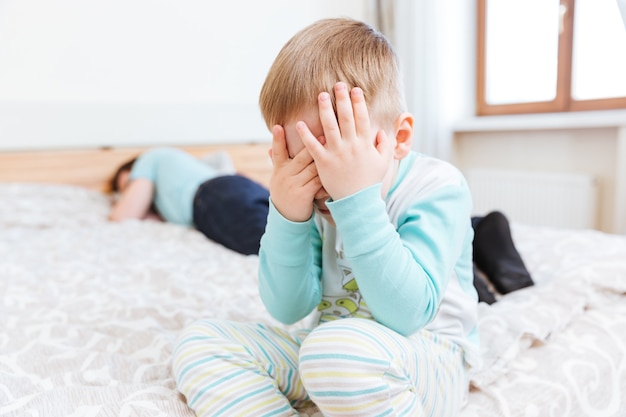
x=312, y=145
x=345, y=114
x=278, y=152
x=328, y=119
x=303, y=158
x=361, y=115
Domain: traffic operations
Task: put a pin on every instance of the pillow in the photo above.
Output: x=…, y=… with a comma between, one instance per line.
x=221, y=162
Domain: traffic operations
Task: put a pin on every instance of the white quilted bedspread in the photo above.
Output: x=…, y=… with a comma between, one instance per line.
x=90, y=311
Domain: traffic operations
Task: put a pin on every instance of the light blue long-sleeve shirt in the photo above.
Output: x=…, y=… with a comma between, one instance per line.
x=405, y=261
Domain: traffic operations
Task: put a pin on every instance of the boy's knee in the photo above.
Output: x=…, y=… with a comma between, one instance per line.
x=194, y=335
x=339, y=344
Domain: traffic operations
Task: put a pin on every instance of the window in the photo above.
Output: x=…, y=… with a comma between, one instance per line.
x=538, y=56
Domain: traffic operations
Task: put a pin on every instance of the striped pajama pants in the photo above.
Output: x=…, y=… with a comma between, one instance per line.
x=348, y=367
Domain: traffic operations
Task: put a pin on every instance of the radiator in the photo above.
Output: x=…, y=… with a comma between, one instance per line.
x=536, y=198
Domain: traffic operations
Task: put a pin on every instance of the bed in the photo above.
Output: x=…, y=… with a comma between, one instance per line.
x=91, y=309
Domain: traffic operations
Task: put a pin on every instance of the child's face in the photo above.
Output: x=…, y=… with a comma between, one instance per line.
x=295, y=145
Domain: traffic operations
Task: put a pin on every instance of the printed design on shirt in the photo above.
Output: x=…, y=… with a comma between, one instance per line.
x=348, y=304
x=339, y=307
x=348, y=281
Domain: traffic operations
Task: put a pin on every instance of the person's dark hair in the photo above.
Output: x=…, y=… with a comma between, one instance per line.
x=126, y=166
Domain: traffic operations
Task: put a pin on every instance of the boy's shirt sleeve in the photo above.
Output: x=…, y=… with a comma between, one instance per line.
x=403, y=273
x=289, y=267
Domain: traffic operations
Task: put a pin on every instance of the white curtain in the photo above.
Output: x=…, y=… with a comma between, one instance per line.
x=622, y=9
x=436, y=44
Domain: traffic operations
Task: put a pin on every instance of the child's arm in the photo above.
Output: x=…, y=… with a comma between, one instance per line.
x=289, y=267
x=289, y=270
x=403, y=274
x=135, y=201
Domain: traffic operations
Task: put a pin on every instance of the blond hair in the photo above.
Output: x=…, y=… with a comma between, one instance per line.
x=320, y=55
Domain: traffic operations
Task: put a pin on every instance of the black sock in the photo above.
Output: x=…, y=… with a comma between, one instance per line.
x=495, y=254
x=484, y=294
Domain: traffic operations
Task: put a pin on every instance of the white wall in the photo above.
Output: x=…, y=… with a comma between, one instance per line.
x=592, y=143
x=77, y=73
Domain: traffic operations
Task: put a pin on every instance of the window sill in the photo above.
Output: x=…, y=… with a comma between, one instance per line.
x=552, y=121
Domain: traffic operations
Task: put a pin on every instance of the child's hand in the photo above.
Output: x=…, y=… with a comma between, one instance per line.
x=294, y=182
x=354, y=156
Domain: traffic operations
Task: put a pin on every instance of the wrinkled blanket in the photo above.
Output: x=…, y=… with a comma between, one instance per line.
x=91, y=310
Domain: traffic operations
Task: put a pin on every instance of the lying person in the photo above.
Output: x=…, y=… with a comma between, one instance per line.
x=172, y=185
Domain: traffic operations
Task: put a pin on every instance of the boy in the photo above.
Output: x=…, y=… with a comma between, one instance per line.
x=372, y=237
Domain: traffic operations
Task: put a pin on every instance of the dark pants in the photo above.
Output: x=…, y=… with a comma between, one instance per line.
x=232, y=210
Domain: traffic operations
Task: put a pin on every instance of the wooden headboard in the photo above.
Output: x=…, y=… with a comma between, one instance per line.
x=92, y=168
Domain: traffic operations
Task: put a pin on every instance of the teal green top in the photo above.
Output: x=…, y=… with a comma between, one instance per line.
x=405, y=262
x=176, y=176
